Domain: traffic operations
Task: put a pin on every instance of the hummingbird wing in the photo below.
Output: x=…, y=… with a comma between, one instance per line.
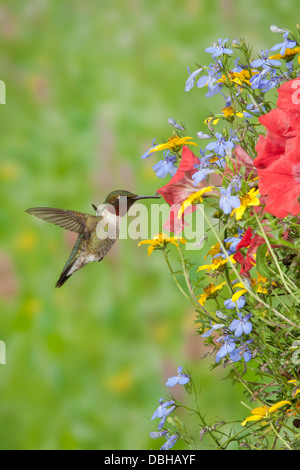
x=70, y=220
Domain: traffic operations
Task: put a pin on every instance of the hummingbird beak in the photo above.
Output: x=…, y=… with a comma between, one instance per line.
x=156, y=196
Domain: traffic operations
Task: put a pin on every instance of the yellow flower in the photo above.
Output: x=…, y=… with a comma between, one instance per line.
x=209, y=291
x=297, y=389
x=216, y=264
x=194, y=198
x=288, y=55
x=212, y=120
x=174, y=144
x=264, y=411
x=160, y=241
x=249, y=199
x=214, y=250
x=260, y=284
x=239, y=78
x=228, y=113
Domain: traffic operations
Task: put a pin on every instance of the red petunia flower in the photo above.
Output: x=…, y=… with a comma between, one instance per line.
x=179, y=188
x=278, y=155
x=289, y=101
x=280, y=181
x=271, y=147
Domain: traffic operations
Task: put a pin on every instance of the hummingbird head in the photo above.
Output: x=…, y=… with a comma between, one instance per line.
x=122, y=200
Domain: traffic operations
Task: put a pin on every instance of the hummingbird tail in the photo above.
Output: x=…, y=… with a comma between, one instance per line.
x=70, y=267
x=64, y=275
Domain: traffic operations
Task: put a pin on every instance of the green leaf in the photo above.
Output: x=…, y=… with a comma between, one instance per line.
x=261, y=263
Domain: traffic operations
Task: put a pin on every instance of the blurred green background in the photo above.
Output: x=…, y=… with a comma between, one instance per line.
x=89, y=84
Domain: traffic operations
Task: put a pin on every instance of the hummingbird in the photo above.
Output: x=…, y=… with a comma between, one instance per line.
x=96, y=233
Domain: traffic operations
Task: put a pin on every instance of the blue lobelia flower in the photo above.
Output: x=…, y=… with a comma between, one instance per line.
x=259, y=80
x=202, y=167
x=227, y=201
x=171, y=441
x=228, y=345
x=242, y=352
x=272, y=82
x=238, y=304
x=181, y=379
x=253, y=109
x=157, y=434
x=234, y=241
x=191, y=80
x=221, y=145
x=211, y=79
x=218, y=49
x=166, y=167
x=242, y=325
x=286, y=44
x=163, y=409
x=202, y=173
x=265, y=62
x=214, y=327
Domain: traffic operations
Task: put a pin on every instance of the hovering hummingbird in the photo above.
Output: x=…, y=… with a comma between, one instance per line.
x=96, y=233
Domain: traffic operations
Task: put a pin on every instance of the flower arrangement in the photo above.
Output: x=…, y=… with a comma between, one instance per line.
x=245, y=180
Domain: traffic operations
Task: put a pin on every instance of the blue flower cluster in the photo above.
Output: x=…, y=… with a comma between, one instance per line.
x=265, y=73
x=231, y=344
x=165, y=409
x=267, y=70
x=166, y=166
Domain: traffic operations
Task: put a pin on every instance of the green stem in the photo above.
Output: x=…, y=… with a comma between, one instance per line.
x=175, y=278
x=280, y=437
x=245, y=384
x=275, y=259
x=186, y=276
x=202, y=418
x=191, y=291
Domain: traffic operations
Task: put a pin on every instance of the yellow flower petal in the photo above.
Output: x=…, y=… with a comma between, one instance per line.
x=150, y=249
x=214, y=250
x=145, y=242
x=239, y=284
x=278, y=405
x=263, y=411
x=256, y=414
x=174, y=144
x=237, y=295
x=216, y=264
x=194, y=198
x=238, y=212
x=251, y=418
x=202, y=299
